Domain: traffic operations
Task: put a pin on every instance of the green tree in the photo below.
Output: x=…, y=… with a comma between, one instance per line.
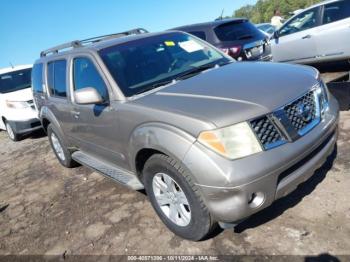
x=263, y=10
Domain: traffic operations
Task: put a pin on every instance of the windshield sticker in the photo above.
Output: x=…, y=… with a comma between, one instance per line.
x=190, y=46
x=169, y=43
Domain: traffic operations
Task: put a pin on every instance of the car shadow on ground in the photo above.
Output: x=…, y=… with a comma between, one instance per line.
x=333, y=66
x=326, y=257
x=40, y=133
x=289, y=201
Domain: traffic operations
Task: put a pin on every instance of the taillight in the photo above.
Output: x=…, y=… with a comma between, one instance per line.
x=235, y=50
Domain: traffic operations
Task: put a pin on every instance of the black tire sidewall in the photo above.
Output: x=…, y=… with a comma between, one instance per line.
x=200, y=223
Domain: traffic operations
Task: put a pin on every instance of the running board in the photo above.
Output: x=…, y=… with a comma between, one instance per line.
x=117, y=174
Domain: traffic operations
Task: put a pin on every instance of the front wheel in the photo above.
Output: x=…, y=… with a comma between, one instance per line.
x=175, y=198
x=62, y=153
x=11, y=132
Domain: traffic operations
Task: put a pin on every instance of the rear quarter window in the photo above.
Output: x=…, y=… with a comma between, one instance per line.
x=37, y=78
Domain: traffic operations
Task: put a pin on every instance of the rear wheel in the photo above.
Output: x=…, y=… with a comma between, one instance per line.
x=62, y=153
x=176, y=199
x=11, y=132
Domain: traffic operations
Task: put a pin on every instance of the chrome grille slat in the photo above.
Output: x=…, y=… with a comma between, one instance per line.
x=266, y=132
x=271, y=134
x=291, y=111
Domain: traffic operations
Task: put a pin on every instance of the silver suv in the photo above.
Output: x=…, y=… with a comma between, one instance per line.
x=210, y=140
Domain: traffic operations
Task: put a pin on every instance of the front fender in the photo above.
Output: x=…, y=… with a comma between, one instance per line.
x=45, y=113
x=170, y=140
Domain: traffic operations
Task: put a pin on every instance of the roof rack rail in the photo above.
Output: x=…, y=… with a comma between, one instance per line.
x=80, y=43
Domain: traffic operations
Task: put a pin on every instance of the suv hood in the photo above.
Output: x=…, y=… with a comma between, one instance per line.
x=234, y=93
x=22, y=95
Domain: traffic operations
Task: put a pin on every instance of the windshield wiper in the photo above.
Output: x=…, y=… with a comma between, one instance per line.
x=195, y=71
x=153, y=86
x=225, y=63
x=244, y=37
x=182, y=76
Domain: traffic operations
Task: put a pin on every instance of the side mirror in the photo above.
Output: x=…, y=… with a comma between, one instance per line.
x=276, y=35
x=87, y=96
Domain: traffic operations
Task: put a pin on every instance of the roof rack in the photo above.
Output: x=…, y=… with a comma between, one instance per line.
x=80, y=43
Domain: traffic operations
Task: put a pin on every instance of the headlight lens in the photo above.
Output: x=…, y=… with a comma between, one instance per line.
x=17, y=104
x=233, y=142
x=322, y=92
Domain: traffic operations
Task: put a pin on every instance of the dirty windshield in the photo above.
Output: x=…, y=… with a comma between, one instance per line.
x=147, y=63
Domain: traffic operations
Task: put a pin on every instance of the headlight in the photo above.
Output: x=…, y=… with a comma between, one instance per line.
x=322, y=92
x=16, y=104
x=233, y=142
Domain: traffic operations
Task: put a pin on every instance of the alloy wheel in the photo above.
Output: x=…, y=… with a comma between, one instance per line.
x=171, y=199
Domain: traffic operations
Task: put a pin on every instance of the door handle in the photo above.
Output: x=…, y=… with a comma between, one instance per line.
x=76, y=114
x=306, y=37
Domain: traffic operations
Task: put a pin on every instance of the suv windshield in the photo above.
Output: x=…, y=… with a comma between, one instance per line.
x=15, y=81
x=144, y=64
x=237, y=30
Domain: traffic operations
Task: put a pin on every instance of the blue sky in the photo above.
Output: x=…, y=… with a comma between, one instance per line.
x=29, y=26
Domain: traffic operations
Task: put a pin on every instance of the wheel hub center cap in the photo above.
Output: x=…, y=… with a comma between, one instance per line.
x=172, y=197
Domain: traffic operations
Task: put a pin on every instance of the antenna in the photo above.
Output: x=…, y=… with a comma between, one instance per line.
x=221, y=16
x=11, y=65
x=222, y=13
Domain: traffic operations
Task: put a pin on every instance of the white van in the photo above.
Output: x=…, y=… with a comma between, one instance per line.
x=17, y=111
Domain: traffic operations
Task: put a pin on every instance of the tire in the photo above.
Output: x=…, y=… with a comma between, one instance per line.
x=11, y=132
x=59, y=148
x=193, y=220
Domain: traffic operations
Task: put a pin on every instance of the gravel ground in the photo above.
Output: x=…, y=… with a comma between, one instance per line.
x=48, y=209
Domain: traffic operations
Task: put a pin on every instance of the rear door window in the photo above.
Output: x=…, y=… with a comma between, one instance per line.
x=56, y=78
x=199, y=34
x=336, y=11
x=37, y=78
x=237, y=30
x=85, y=75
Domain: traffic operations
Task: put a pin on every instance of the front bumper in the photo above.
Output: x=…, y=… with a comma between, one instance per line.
x=21, y=127
x=230, y=188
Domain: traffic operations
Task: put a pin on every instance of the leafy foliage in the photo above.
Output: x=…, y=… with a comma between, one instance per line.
x=263, y=10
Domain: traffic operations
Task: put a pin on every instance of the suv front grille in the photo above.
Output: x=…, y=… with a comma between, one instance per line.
x=293, y=111
x=266, y=132
x=289, y=122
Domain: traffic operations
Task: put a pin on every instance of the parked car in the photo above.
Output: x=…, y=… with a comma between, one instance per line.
x=238, y=38
x=17, y=111
x=210, y=140
x=319, y=33
x=267, y=28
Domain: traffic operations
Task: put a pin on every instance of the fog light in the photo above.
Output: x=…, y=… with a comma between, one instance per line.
x=256, y=199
